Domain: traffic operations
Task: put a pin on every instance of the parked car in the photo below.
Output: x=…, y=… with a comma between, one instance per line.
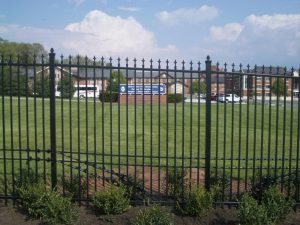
x=229, y=98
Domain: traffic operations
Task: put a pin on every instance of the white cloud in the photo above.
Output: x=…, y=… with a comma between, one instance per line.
x=109, y=35
x=274, y=22
x=129, y=8
x=191, y=15
x=97, y=34
x=230, y=32
x=270, y=38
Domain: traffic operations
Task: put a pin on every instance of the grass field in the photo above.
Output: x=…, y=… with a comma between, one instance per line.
x=149, y=135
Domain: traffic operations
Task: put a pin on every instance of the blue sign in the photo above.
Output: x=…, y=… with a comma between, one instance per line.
x=139, y=89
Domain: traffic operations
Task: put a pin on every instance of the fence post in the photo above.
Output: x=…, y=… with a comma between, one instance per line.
x=208, y=122
x=52, y=119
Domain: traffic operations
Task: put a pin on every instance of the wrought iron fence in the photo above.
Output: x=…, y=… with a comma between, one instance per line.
x=159, y=127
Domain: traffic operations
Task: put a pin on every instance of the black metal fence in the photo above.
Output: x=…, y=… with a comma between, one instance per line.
x=159, y=127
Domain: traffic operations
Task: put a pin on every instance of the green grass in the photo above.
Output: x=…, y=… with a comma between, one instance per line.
x=169, y=131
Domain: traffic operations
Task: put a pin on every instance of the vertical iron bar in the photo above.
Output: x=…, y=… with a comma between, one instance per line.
x=277, y=123
x=151, y=128
x=19, y=117
x=3, y=130
x=262, y=126
x=86, y=129
x=232, y=129
x=78, y=130
x=291, y=132
x=298, y=144
x=102, y=117
x=198, y=130
x=217, y=122
x=111, y=119
x=270, y=123
x=34, y=118
x=135, y=125
x=249, y=88
x=52, y=119
x=143, y=124
x=224, y=137
x=11, y=126
x=127, y=122
x=95, y=123
x=159, y=150
x=62, y=93
x=119, y=121
x=167, y=124
x=175, y=126
x=182, y=132
x=255, y=122
x=241, y=77
x=43, y=119
x=191, y=122
x=71, y=126
x=284, y=129
x=208, y=123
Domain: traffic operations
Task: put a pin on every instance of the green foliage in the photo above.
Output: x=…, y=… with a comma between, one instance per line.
x=197, y=202
x=106, y=97
x=113, y=201
x=26, y=177
x=176, y=182
x=278, y=87
x=42, y=86
x=47, y=205
x=251, y=213
x=25, y=51
x=273, y=208
x=154, y=215
x=175, y=98
x=66, y=86
x=276, y=205
x=75, y=186
x=13, y=84
x=198, y=87
x=114, y=80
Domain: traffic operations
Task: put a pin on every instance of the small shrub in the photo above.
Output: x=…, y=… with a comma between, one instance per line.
x=47, y=205
x=273, y=208
x=154, y=215
x=175, y=98
x=107, y=97
x=276, y=205
x=176, y=182
x=75, y=186
x=113, y=201
x=26, y=177
x=251, y=213
x=197, y=202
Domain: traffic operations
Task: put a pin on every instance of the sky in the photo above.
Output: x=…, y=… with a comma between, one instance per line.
x=262, y=32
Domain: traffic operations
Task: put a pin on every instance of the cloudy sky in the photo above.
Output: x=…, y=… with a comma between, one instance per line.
x=245, y=31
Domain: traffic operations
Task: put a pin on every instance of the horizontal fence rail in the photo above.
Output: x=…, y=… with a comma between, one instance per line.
x=158, y=127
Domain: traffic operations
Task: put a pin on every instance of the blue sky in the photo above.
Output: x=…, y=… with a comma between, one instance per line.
x=256, y=32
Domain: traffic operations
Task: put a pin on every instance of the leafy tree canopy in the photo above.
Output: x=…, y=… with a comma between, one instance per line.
x=114, y=80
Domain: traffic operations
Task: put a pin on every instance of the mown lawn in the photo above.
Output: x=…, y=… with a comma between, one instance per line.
x=148, y=134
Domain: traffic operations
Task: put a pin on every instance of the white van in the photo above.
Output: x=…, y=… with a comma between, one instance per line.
x=229, y=98
x=83, y=91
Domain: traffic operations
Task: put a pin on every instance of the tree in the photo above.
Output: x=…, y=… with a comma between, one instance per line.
x=42, y=86
x=114, y=80
x=198, y=87
x=278, y=87
x=66, y=86
x=14, y=85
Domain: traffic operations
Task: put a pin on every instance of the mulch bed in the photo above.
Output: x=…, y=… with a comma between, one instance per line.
x=12, y=215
